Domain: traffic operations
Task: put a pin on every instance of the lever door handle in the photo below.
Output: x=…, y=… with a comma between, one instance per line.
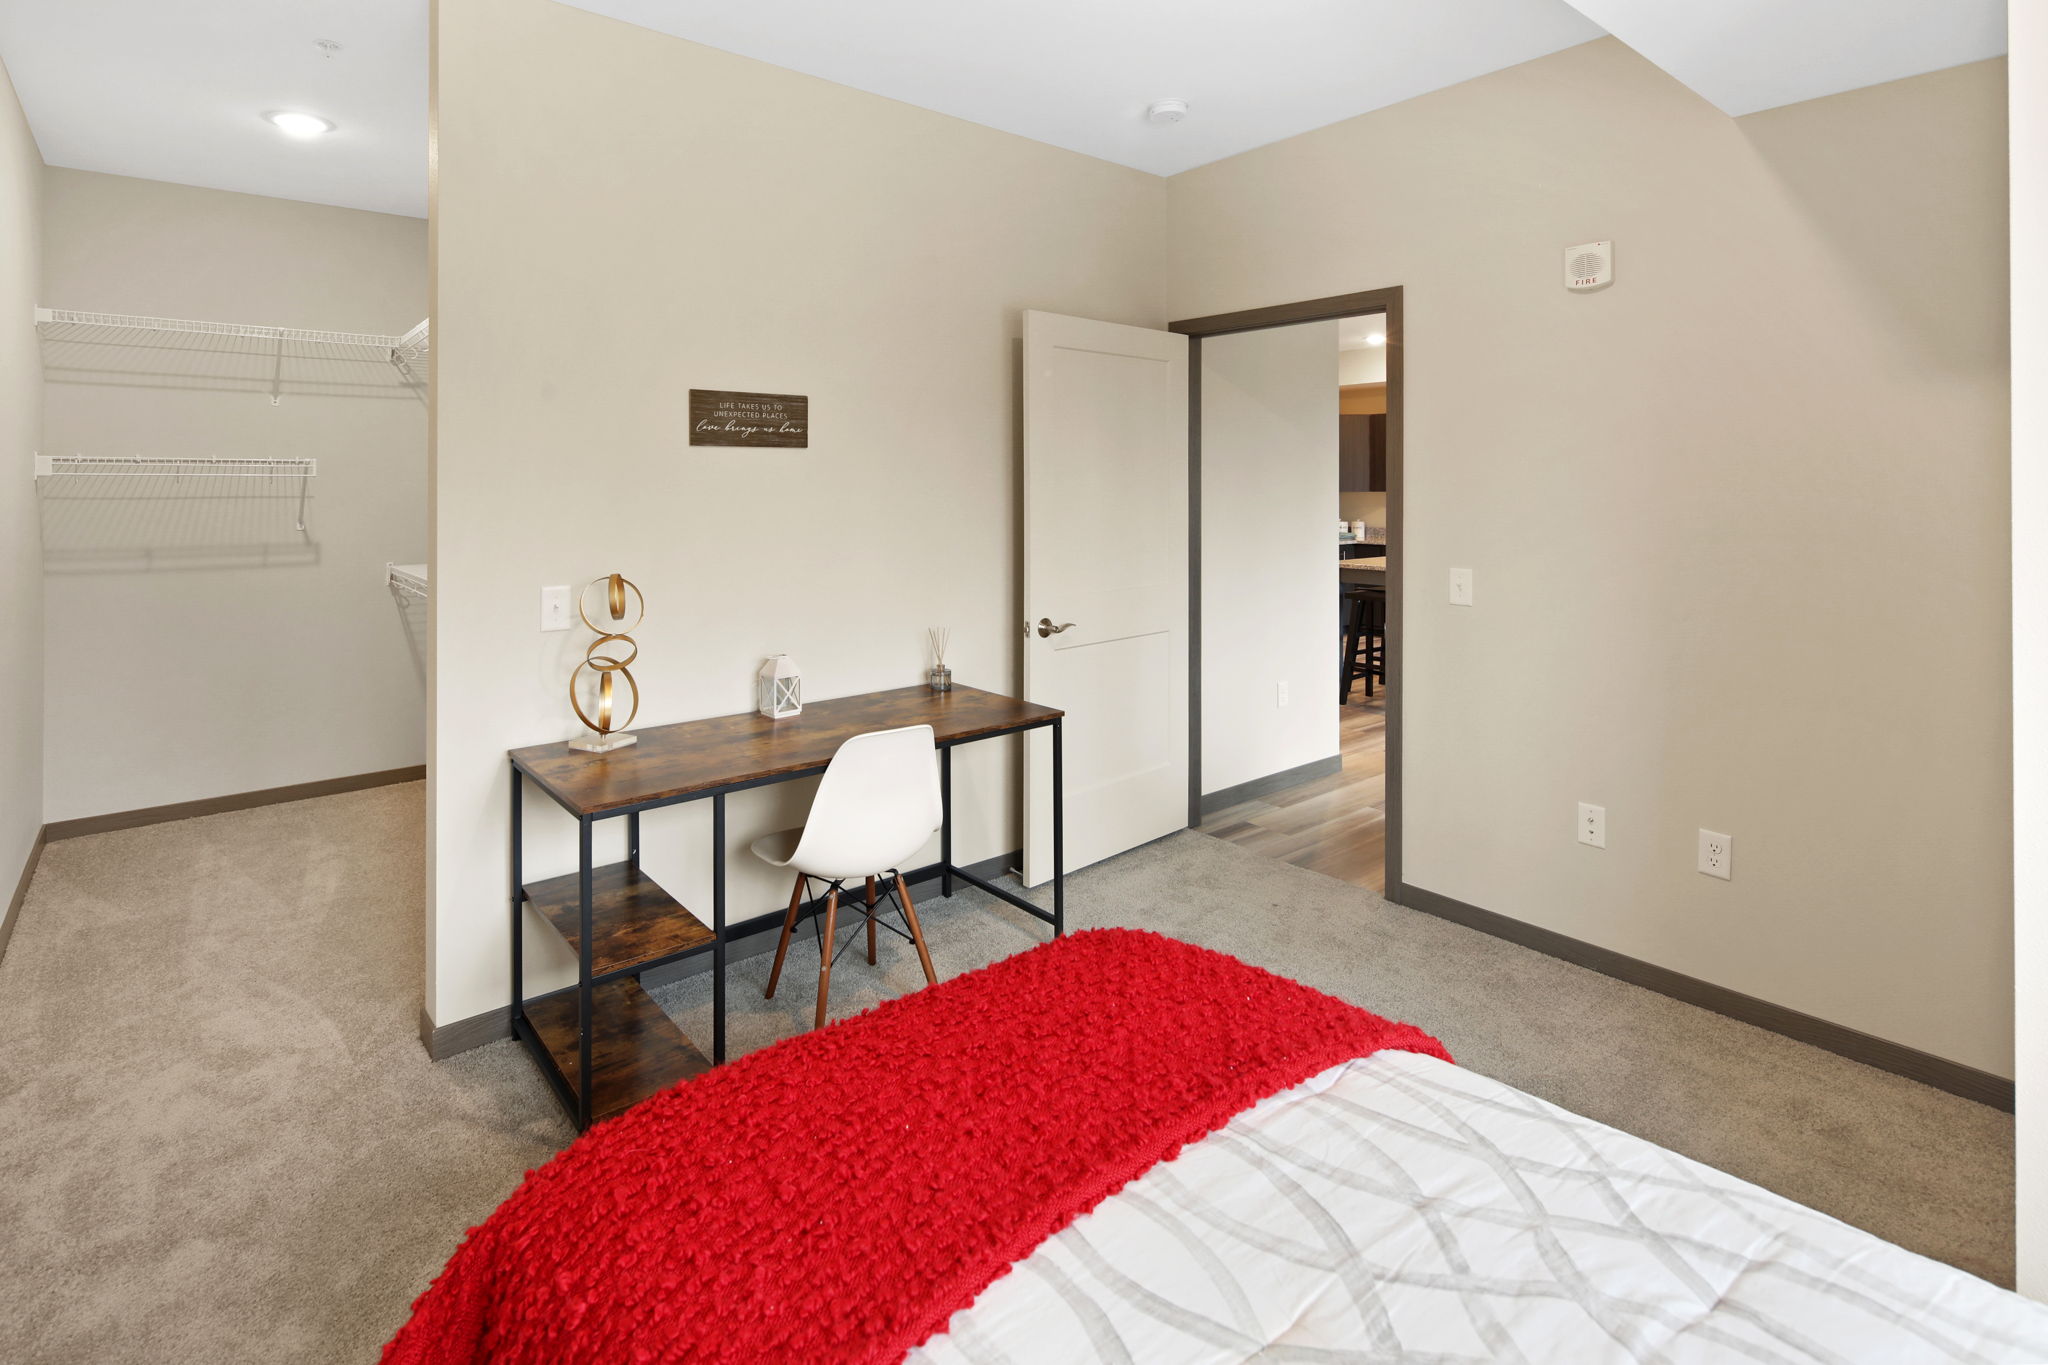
x=1046, y=627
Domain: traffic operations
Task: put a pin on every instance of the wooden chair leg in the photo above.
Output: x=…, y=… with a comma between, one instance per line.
x=796, y=900
x=825, y=953
x=931, y=977
x=871, y=921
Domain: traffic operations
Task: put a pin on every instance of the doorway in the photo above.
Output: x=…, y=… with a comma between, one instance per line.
x=1339, y=812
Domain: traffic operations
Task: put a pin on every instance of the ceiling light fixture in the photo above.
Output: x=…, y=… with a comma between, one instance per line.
x=1166, y=111
x=1375, y=338
x=299, y=125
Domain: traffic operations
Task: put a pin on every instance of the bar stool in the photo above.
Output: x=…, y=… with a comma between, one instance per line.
x=1365, y=640
x=877, y=804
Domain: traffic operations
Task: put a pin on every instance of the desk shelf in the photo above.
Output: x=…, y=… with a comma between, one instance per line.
x=636, y=1050
x=634, y=924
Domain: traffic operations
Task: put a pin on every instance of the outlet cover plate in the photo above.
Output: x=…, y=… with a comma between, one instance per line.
x=1461, y=587
x=1592, y=825
x=1717, y=854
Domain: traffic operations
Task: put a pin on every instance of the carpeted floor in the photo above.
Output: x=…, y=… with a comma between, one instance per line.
x=220, y=1139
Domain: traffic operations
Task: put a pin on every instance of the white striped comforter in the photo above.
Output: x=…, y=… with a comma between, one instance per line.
x=1397, y=1208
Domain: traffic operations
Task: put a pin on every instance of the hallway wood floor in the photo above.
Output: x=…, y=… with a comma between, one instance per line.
x=1335, y=825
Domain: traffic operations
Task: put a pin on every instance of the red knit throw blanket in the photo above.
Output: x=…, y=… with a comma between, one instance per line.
x=840, y=1195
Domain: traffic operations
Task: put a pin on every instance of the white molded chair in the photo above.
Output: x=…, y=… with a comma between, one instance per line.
x=876, y=805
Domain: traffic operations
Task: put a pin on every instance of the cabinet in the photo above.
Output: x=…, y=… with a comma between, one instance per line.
x=1362, y=452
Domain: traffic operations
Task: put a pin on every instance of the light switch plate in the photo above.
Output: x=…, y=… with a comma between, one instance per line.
x=1461, y=587
x=556, y=610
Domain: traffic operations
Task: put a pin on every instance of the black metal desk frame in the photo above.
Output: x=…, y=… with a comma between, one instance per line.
x=576, y=1100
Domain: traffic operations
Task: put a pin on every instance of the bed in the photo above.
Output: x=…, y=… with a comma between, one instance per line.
x=1117, y=1147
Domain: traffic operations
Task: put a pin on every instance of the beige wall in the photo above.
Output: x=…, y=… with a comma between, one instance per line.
x=2028, y=103
x=621, y=216
x=198, y=643
x=1269, y=569
x=21, y=407
x=1738, y=522
x=1365, y=365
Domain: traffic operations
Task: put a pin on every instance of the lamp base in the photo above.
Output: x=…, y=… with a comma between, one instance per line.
x=604, y=744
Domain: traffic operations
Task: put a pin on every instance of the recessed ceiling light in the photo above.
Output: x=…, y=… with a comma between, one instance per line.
x=1375, y=338
x=300, y=125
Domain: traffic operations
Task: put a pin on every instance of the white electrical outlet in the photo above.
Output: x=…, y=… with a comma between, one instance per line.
x=1717, y=854
x=1280, y=693
x=556, y=610
x=1593, y=825
x=1461, y=587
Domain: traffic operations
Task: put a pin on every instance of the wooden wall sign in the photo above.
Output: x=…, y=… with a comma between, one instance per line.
x=721, y=418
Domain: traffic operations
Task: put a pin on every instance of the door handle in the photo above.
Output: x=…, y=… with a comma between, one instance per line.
x=1046, y=627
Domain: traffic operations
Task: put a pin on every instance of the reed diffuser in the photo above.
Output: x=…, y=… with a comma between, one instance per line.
x=942, y=676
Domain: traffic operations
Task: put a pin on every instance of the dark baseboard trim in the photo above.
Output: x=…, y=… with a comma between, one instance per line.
x=28, y=872
x=1956, y=1078
x=1270, y=783
x=464, y=1034
x=216, y=805
x=744, y=938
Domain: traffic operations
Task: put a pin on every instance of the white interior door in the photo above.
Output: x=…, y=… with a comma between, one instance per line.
x=1106, y=561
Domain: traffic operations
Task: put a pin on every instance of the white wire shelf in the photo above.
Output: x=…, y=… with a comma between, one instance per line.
x=408, y=353
x=407, y=580
x=166, y=467
x=71, y=325
x=150, y=466
x=411, y=352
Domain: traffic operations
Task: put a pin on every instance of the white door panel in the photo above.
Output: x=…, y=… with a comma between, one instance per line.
x=1105, y=547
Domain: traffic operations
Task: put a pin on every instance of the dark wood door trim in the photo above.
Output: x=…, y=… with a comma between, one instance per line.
x=1386, y=301
x=1286, y=314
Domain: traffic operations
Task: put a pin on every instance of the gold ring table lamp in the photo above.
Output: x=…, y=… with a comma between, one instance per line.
x=604, y=667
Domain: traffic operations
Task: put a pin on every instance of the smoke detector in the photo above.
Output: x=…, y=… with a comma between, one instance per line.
x=1166, y=111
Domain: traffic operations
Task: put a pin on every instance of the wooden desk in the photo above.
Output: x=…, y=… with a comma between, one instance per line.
x=603, y=1043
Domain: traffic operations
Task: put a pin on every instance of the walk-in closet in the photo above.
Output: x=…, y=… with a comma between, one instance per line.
x=231, y=485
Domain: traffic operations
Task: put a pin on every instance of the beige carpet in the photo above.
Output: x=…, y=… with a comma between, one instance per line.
x=220, y=1140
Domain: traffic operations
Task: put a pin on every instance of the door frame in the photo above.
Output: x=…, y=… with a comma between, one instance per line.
x=1383, y=301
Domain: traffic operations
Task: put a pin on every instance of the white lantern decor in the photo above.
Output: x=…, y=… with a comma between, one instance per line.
x=780, y=692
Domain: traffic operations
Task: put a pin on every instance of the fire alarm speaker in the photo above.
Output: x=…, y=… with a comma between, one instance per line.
x=1588, y=265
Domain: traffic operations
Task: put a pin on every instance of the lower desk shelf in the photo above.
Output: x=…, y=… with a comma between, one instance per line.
x=636, y=1050
x=633, y=922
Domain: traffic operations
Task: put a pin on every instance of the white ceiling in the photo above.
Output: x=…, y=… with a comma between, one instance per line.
x=1748, y=55
x=1079, y=73
x=1353, y=333
x=175, y=89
